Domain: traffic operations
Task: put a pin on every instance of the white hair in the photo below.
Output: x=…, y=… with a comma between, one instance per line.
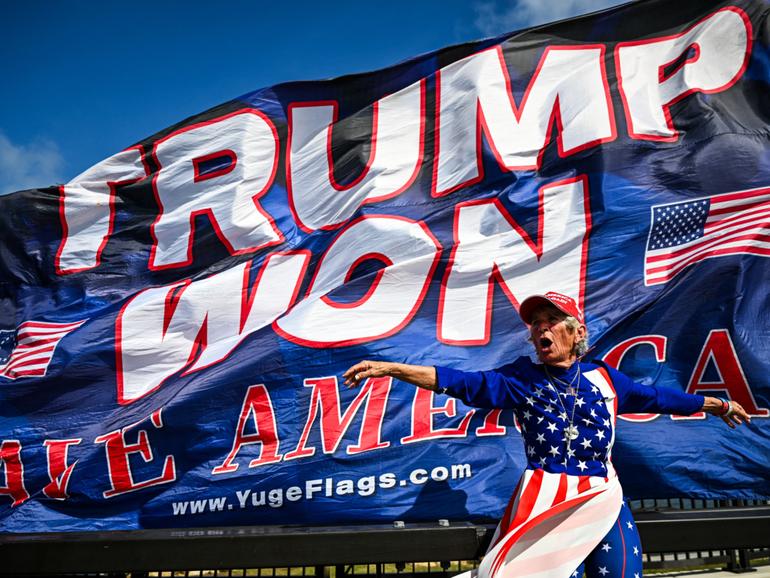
x=581, y=347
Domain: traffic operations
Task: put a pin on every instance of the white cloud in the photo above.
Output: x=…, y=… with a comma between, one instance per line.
x=26, y=166
x=494, y=17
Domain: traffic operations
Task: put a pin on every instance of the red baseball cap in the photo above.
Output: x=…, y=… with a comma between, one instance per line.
x=561, y=302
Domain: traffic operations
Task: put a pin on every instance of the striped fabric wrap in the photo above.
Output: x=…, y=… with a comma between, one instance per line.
x=552, y=523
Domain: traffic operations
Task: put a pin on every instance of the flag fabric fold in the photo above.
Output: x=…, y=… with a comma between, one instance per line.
x=175, y=321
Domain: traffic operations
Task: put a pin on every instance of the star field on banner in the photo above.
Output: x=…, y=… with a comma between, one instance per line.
x=175, y=321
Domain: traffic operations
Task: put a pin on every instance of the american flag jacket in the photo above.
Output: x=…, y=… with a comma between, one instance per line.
x=569, y=495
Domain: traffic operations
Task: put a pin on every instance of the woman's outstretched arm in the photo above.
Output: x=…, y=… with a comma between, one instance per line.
x=423, y=376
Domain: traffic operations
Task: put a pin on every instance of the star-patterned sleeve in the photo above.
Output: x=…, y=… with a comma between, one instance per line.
x=501, y=388
x=633, y=397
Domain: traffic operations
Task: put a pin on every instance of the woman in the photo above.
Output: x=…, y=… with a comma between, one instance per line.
x=567, y=514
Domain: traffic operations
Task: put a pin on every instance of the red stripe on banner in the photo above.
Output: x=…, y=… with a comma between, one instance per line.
x=26, y=373
x=740, y=195
x=718, y=209
x=761, y=215
x=757, y=196
x=16, y=357
x=735, y=208
x=584, y=484
x=39, y=363
x=34, y=334
x=743, y=249
x=28, y=363
x=760, y=239
x=49, y=326
x=25, y=335
x=32, y=343
x=710, y=242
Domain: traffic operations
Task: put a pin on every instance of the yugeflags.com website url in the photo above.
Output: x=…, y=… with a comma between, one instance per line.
x=322, y=487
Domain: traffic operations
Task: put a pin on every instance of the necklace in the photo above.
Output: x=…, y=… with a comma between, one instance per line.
x=569, y=390
x=571, y=431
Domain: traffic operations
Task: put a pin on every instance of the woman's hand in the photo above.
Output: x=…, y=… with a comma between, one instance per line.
x=423, y=376
x=365, y=369
x=735, y=414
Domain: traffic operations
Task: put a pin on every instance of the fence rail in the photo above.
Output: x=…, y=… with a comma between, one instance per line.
x=675, y=533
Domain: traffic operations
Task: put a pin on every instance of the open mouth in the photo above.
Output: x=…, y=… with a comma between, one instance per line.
x=545, y=343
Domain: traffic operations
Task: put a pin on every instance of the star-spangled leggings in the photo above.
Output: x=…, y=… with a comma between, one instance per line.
x=618, y=555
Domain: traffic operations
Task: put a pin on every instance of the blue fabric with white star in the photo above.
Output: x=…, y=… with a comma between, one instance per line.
x=678, y=223
x=618, y=555
x=7, y=343
x=544, y=409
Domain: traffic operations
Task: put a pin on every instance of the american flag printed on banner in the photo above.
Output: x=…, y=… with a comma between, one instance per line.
x=687, y=232
x=31, y=346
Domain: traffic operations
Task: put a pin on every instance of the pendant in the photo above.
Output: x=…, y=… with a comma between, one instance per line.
x=571, y=432
x=570, y=391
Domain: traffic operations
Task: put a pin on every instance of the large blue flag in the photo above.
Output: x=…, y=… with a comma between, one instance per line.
x=175, y=321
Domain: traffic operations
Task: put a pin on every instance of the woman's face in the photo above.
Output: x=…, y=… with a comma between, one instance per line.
x=553, y=340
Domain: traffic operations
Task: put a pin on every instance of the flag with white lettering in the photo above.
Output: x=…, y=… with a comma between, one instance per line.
x=176, y=320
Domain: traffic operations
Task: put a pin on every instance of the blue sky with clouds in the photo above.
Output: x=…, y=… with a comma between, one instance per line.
x=85, y=79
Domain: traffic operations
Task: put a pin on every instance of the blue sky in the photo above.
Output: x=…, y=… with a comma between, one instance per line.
x=85, y=79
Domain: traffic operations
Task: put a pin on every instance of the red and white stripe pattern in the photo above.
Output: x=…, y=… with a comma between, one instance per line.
x=551, y=525
x=36, y=342
x=685, y=233
x=554, y=520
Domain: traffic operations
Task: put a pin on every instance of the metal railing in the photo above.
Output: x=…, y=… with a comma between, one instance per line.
x=732, y=559
x=677, y=534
